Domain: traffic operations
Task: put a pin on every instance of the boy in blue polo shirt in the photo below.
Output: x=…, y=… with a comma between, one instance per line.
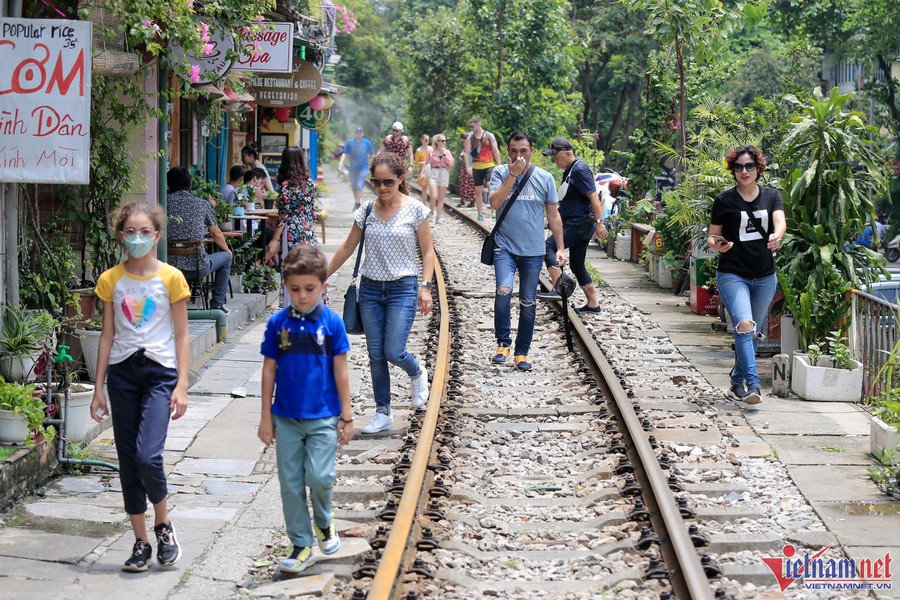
x=305, y=349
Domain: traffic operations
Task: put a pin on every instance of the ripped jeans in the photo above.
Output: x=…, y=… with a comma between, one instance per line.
x=746, y=300
x=505, y=266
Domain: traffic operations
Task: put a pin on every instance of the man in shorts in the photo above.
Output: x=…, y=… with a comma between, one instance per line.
x=481, y=146
x=360, y=151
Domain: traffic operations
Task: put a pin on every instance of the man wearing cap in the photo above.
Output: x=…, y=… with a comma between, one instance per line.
x=481, y=146
x=399, y=144
x=360, y=151
x=520, y=242
x=581, y=211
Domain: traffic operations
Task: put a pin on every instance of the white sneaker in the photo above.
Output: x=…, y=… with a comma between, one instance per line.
x=419, y=386
x=379, y=422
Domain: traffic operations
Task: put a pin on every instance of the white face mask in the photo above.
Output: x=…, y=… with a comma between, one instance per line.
x=563, y=188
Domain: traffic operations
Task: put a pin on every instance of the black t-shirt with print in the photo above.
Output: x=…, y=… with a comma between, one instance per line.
x=749, y=257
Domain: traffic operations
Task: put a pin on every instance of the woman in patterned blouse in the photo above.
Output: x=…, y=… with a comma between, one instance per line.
x=389, y=291
x=296, y=208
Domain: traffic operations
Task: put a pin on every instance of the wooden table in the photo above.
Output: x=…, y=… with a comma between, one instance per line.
x=262, y=212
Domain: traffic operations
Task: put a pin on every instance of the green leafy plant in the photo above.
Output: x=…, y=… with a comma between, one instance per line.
x=814, y=352
x=260, y=279
x=832, y=174
x=887, y=474
x=839, y=351
x=23, y=333
x=21, y=399
x=223, y=211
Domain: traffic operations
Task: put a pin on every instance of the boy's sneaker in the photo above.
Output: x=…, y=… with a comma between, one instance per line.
x=502, y=355
x=737, y=391
x=754, y=396
x=551, y=295
x=299, y=560
x=379, y=422
x=168, y=552
x=419, y=385
x=329, y=542
x=522, y=363
x=139, y=561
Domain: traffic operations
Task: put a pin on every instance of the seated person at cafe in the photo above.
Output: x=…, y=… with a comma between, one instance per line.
x=235, y=180
x=191, y=218
x=253, y=188
x=250, y=159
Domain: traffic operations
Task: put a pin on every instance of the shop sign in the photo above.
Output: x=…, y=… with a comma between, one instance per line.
x=45, y=100
x=313, y=119
x=216, y=64
x=275, y=52
x=288, y=89
x=271, y=162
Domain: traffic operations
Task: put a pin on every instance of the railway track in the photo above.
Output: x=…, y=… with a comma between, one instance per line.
x=588, y=475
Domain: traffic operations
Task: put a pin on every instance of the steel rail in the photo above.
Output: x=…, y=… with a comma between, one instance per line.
x=385, y=578
x=688, y=578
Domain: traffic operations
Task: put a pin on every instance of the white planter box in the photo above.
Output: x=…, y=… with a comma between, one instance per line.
x=882, y=437
x=825, y=384
x=13, y=428
x=78, y=412
x=90, y=346
x=663, y=276
x=623, y=247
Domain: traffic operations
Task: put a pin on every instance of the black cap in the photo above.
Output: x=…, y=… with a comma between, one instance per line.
x=560, y=144
x=359, y=130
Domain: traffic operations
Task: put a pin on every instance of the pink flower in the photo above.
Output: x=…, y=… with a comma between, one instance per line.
x=190, y=3
x=260, y=19
x=147, y=23
x=204, y=32
x=195, y=73
x=208, y=48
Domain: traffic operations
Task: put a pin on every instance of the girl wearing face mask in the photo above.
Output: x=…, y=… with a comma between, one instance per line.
x=146, y=372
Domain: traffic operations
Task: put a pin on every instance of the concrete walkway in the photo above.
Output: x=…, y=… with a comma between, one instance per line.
x=823, y=445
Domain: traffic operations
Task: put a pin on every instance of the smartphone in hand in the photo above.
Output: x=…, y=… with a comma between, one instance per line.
x=719, y=239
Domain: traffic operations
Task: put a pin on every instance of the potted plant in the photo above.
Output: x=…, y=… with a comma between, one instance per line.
x=89, y=337
x=224, y=213
x=260, y=279
x=832, y=175
x=78, y=411
x=23, y=336
x=21, y=411
x=827, y=377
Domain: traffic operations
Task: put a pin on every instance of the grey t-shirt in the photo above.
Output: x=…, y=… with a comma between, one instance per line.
x=522, y=230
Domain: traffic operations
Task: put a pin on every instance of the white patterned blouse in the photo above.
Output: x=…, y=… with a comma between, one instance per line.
x=391, y=248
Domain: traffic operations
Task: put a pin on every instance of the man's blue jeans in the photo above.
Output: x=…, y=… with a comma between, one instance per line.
x=505, y=266
x=220, y=262
x=746, y=300
x=388, y=309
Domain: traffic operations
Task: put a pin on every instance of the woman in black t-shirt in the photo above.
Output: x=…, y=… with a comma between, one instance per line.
x=747, y=224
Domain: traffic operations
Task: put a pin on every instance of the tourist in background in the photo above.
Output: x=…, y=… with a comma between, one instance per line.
x=441, y=161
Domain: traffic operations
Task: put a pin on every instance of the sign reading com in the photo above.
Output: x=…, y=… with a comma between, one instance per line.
x=818, y=572
x=45, y=100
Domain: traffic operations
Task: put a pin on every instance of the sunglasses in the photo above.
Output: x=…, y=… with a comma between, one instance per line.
x=440, y=140
x=382, y=182
x=749, y=167
x=398, y=130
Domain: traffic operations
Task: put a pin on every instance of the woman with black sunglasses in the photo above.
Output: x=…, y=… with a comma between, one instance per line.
x=747, y=226
x=396, y=226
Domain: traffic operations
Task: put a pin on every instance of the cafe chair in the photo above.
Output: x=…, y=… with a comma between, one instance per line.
x=196, y=283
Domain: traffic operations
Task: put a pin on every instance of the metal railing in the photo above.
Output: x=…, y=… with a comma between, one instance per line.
x=873, y=334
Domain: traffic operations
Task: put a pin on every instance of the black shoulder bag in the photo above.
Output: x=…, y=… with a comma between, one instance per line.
x=487, y=249
x=352, y=319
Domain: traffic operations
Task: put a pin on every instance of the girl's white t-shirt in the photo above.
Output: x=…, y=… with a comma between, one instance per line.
x=143, y=311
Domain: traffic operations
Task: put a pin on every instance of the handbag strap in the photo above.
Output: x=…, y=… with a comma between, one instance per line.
x=513, y=197
x=362, y=240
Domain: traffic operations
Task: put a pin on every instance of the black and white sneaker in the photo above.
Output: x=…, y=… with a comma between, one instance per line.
x=168, y=552
x=754, y=396
x=737, y=391
x=139, y=561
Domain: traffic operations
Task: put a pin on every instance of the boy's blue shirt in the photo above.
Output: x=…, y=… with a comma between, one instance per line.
x=304, y=349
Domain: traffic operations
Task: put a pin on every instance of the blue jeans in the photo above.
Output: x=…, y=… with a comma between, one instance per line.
x=305, y=450
x=220, y=262
x=140, y=390
x=388, y=309
x=529, y=267
x=746, y=300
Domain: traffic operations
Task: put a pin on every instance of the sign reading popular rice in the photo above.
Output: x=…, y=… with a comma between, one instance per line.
x=45, y=100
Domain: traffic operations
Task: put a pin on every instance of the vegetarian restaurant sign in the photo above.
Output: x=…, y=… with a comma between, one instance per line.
x=287, y=89
x=45, y=100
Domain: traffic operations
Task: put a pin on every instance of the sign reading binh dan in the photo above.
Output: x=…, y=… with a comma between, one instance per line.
x=45, y=100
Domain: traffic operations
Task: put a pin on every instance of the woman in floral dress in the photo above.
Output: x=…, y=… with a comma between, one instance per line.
x=466, y=183
x=296, y=207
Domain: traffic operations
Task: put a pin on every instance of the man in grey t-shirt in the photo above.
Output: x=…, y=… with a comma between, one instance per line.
x=520, y=243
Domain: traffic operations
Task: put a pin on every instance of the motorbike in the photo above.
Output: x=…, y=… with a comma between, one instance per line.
x=612, y=205
x=892, y=250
